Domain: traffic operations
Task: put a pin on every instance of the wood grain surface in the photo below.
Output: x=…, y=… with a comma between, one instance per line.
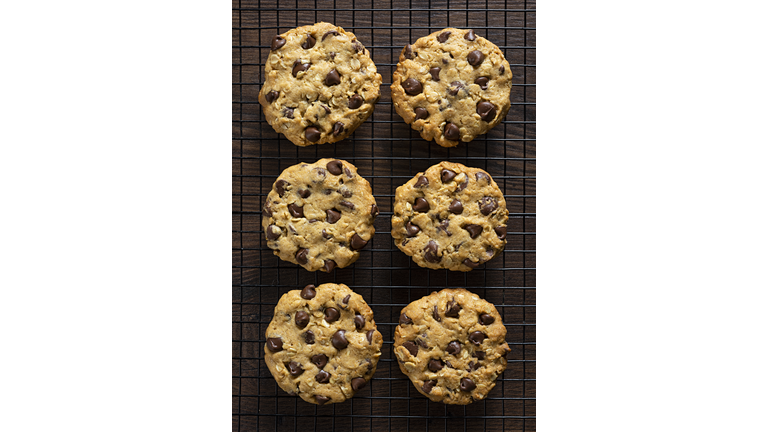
x=387, y=153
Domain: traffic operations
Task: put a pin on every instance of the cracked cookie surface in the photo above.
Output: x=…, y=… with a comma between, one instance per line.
x=450, y=217
x=322, y=343
x=452, y=86
x=321, y=84
x=319, y=215
x=451, y=345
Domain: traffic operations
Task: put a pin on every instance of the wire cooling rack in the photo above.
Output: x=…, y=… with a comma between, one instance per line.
x=387, y=153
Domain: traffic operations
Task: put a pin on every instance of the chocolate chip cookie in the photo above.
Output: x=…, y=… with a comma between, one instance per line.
x=322, y=343
x=451, y=345
x=452, y=86
x=321, y=84
x=450, y=217
x=319, y=215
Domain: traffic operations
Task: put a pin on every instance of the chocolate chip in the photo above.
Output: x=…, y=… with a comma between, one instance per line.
x=325, y=234
x=435, y=72
x=271, y=96
x=320, y=174
x=411, y=229
x=447, y=175
x=295, y=369
x=280, y=187
x=405, y=319
x=357, y=242
x=309, y=337
x=304, y=193
x=358, y=46
x=296, y=211
x=347, y=204
x=481, y=176
x=427, y=387
x=452, y=309
x=456, y=207
x=421, y=343
x=301, y=319
x=309, y=42
x=412, y=87
x=275, y=344
x=345, y=300
x=408, y=52
x=482, y=82
x=421, y=182
x=451, y=132
x=339, y=340
x=421, y=113
x=435, y=365
x=445, y=61
x=474, y=230
x=312, y=134
x=273, y=232
x=267, y=210
x=501, y=231
x=471, y=264
x=359, y=322
x=312, y=220
x=486, y=111
x=480, y=355
x=322, y=377
x=467, y=385
x=332, y=78
x=454, y=348
x=298, y=66
x=321, y=399
x=348, y=173
x=463, y=185
x=308, y=293
x=470, y=35
x=358, y=383
x=411, y=347
x=355, y=101
x=332, y=216
x=487, y=205
x=477, y=337
x=288, y=112
x=435, y=314
x=430, y=252
x=326, y=108
x=501, y=70
x=334, y=167
x=319, y=360
x=475, y=57
x=455, y=87
x=486, y=319
x=293, y=230
x=277, y=42
x=421, y=205
x=329, y=265
x=338, y=128
x=301, y=256
x=444, y=226
x=369, y=336
x=374, y=210
x=330, y=33
x=442, y=37
x=331, y=314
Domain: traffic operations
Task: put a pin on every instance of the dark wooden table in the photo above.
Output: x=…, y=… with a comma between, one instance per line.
x=387, y=152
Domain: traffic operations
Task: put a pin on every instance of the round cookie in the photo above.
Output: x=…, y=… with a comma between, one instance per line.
x=321, y=84
x=450, y=217
x=452, y=86
x=322, y=343
x=451, y=345
x=319, y=215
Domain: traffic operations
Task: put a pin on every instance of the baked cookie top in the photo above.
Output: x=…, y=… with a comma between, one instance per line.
x=452, y=86
x=321, y=84
x=322, y=343
x=451, y=345
x=319, y=215
x=450, y=217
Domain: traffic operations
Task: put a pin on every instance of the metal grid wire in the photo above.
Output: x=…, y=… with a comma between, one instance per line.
x=387, y=153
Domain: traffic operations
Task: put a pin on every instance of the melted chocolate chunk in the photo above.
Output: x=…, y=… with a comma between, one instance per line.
x=421, y=182
x=471, y=264
x=312, y=134
x=481, y=176
x=435, y=365
x=374, y=210
x=334, y=167
x=486, y=111
x=452, y=309
x=332, y=216
x=467, y=385
x=358, y=46
x=331, y=314
x=358, y=383
x=357, y=242
x=309, y=42
x=355, y=101
x=273, y=232
x=288, y=112
x=463, y=185
x=412, y=87
x=447, y=175
x=323, y=377
x=456, y=207
x=296, y=211
x=408, y=52
x=295, y=369
x=501, y=70
x=436, y=315
x=474, y=230
x=267, y=210
x=332, y=78
x=411, y=347
x=275, y=344
x=277, y=42
x=304, y=193
x=477, y=337
x=322, y=399
x=430, y=252
x=454, y=348
x=487, y=205
x=359, y=322
x=338, y=128
x=455, y=87
x=486, y=319
x=347, y=204
x=330, y=33
x=444, y=226
x=369, y=336
x=271, y=96
x=339, y=340
x=501, y=231
x=480, y=355
x=435, y=72
x=320, y=173
x=442, y=37
x=405, y=319
x=470, y=35
x=475, y=57
x=329, y=265
x=421, y=205
x=411, y=229
x=428, y=385
x=345, y=300
x=451, y=132
x=280, y=187
x=326, y=235
x=308, y=293
x=301, y=319
x=482, y=82
x=298, y=66
x=421, y=113
x=301, y=256
x=348, y=172
x=309, y=337
x=319, y=360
